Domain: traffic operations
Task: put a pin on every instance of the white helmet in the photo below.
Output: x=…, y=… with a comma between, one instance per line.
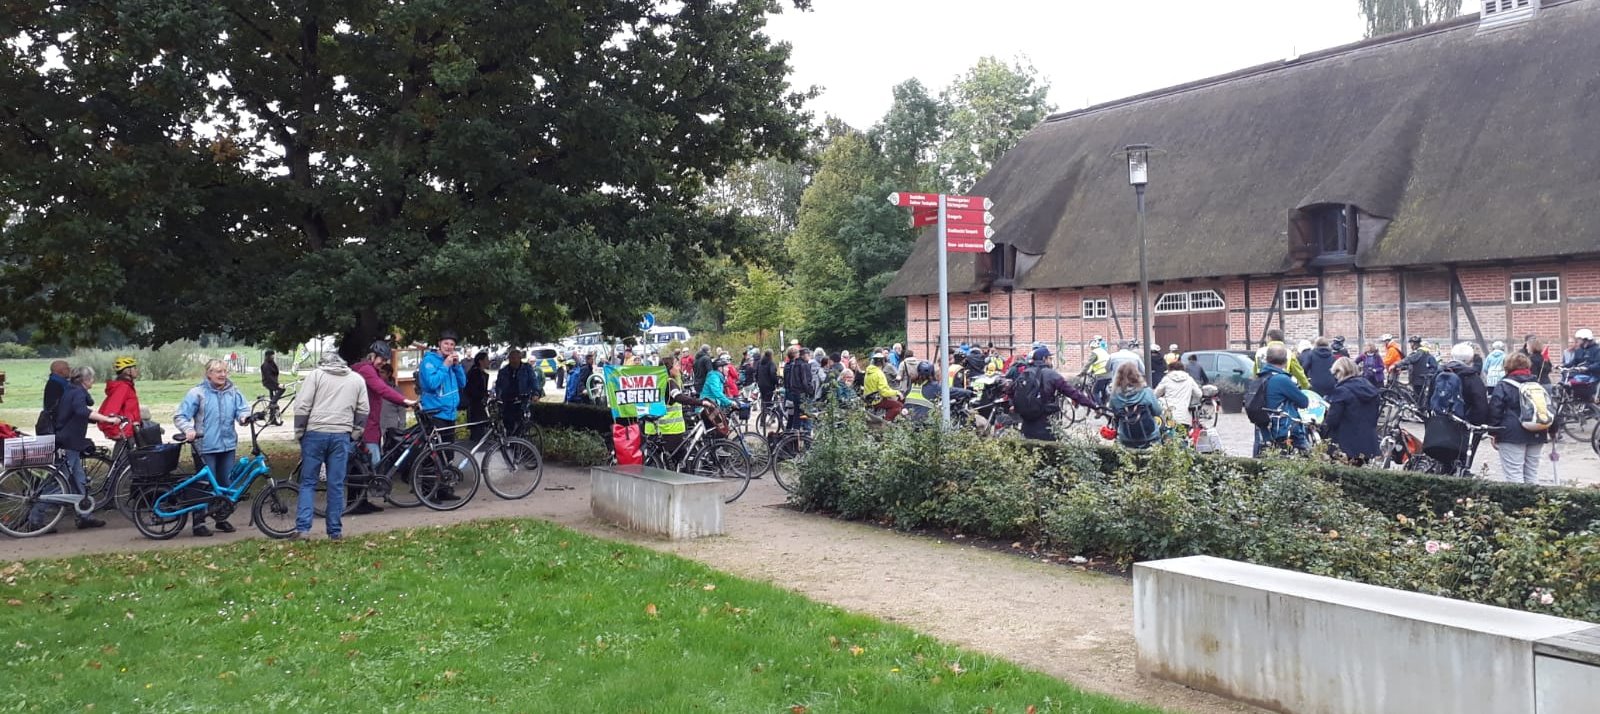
x=1584, y=334
x=1173, y=347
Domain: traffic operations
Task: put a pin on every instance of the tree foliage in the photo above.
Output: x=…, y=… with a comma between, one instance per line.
x=762, y=302
x=990, y=108
x=1388, y=16
x=278, y=170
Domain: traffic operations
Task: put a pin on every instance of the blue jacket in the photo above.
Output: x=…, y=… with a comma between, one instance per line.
x=1588, y=358
x=1352, y=421
x=440, y=386
x=211, y=412
x=1319, y=370
x=576, y=382
x=1122, y=399
x=1284, y=393
x=72, y=418
x=715, y=389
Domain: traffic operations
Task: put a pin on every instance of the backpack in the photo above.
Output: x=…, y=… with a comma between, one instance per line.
x=1137, y=424
x=1255, y=402
x=1534, y=412
x=1027, y=393
x=1447, y=397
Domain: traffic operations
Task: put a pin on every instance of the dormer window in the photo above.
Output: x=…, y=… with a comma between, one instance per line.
x=1003, y=265
x=1334, y=234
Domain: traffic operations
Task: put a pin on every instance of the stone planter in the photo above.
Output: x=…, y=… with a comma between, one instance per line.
x=1232, y=402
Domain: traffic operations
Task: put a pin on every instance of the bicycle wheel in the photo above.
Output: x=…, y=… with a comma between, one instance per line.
x=786, y=456
x=20, y=490
x=97, y=479
x=723, y=459
x=319, y=502
x=144, y=517
x=1579, y=420
x=445, y=477
x=513, y=469
x=759, y=450
x=1594, y=442
x=274, y=510
x=535, y=435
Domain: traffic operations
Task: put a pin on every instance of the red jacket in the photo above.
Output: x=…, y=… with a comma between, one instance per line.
x=730, y=381
x=378, y=392
x=121, y=400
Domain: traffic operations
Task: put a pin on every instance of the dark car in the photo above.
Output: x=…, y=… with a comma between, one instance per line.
x=1225, y=366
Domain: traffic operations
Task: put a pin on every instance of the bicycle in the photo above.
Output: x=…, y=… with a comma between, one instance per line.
x=511, y=465
x=1578, y=418
x=1455, y=462
x=788, y=451
x=1210, y=407
x=37, y=479
x=162, y=505
x=417, y=454
x=275, y=407
x=702, y=453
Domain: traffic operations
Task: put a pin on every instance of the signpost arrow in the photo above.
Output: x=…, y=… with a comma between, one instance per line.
x=930, y=216
x=931, y=200
x=988, y=246
x=960, y=231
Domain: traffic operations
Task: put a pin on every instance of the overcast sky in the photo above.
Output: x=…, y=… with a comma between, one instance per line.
x=1091, y=51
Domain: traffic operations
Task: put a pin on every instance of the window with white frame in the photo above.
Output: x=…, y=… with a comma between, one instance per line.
x=1301, y=299
x=1095, y=309
x=1172, y=302
x=1547, y=289
x=1543, y=289
x=1205, y=300
x=977, y=311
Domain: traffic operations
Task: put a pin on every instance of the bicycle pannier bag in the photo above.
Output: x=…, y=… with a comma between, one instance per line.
x=626, y=439
x=1447, y=397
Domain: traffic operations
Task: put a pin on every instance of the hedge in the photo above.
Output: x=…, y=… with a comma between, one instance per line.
x=559, y=415
x=1397, y=492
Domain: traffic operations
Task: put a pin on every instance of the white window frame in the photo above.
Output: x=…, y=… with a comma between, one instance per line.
x=1523, y=285
x=1212, y=301
x=1096, y=308
x=977, y=311
x=1291, y=300
x=1169, y=303
x=1302, y=299
x=1547, y=282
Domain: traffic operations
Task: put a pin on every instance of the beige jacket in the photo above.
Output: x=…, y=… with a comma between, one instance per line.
x=332, y=400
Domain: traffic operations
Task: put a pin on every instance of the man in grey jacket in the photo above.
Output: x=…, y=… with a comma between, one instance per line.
x=329, y=413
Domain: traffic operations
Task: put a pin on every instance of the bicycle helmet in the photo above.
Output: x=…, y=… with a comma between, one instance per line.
x=1584, y=334
x=925, y=370
x=381, y=349
x=123, y=362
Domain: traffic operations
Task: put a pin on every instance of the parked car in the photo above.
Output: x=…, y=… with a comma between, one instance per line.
x=1223, y=366
x=547, y=359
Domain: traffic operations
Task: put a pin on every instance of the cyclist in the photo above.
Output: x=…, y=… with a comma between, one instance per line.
x=1352, y=420
x=671, y=427
x=72, y=417
x=1391, y=352
x=713, y=387
x=1585, y=364
x=207, y=417
x=1035, y=405
x=1294, y=369
x=1137, y=409
x=378, y=392
x=332, y=407
x=515, y=386
x=122, y=400
x=877, y=392
x=440, y=380
x=1422, y=367
x=1284, y=395
x=269, y=382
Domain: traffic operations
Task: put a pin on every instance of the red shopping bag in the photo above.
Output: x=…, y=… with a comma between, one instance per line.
x=629, y=445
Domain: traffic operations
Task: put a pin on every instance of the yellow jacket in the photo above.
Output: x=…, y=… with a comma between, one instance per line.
x=1294, y=368
x=1097, y=362
x=877, y=386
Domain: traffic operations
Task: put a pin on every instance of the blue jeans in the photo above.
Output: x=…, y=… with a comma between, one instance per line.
x=221, y=464
x=375, y=452
x=319, y=448
x=76, y=480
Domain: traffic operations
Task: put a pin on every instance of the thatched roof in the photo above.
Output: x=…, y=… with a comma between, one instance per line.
x=1473, y=145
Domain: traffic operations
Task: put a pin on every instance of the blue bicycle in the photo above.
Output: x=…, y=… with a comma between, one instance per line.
x=162, y=502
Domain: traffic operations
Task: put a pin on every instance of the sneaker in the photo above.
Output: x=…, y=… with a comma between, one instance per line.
x=335, y=536
x=88, y=522
x=365, y=507
x=225, y=527
x=299, y=535
x=201, y=531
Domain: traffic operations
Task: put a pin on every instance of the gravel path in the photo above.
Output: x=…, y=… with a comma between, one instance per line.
x=1071, y=624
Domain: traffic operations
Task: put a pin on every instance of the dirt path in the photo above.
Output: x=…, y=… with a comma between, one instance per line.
x=1073, y=625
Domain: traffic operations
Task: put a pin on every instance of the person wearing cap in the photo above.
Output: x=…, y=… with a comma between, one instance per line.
x=122, y=400
x=714, y=387
x=1584, y=365
x=1422, y=367
x=1391, y=352
x=440, y=380
x=876, y=391
x=1037, y=426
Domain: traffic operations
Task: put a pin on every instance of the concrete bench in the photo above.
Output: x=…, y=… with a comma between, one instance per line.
x=656, y=501
x=1305, y=644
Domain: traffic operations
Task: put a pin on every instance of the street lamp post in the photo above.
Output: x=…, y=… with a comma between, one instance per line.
x=1139, y=177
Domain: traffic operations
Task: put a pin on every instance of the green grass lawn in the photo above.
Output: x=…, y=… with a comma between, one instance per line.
x=482, y=617
x=25, y=392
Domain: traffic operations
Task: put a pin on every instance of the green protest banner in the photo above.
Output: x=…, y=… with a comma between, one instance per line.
x=636, y=391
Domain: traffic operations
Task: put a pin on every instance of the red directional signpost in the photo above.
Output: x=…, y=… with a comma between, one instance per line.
x=963, y=223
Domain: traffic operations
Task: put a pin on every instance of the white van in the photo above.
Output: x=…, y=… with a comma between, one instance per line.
x=662, y=335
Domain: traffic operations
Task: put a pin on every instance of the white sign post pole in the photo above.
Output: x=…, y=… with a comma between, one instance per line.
x=944, y=317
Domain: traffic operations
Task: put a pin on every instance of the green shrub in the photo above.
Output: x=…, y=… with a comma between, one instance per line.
x=1169, y=502
x=176, y=360
x=12, y=350
x=576, y=447
x=557, y=415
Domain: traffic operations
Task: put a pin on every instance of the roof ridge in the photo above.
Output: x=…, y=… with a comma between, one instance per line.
x=1436, y=28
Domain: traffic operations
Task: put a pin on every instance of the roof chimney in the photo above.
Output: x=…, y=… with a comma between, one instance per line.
x=1505, y=13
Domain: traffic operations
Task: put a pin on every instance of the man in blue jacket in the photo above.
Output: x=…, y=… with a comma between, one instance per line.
x=439, y=381
x=1283, y=393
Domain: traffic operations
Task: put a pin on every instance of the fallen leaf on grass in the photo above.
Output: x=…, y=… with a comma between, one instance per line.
x=833, y=641
x=650, y=609
x=1032, y=709
x=212, y=566
x=347, y=637
x=109, y=650
x=709, y=587
x=94, y=664
x=13, y=602
x=856, y=650
x=798, y=709
x=450, y=675
x=955, y=668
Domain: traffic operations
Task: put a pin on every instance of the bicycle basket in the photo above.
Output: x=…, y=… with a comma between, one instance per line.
x=154, y=463
x=29, y=452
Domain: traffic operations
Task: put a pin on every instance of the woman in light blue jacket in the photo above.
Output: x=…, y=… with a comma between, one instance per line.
x=208, y=413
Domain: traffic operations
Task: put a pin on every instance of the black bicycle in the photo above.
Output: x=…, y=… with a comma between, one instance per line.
x=703, y=452
x=416, y=467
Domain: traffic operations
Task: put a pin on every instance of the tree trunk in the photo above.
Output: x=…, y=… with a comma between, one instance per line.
x=354, y=342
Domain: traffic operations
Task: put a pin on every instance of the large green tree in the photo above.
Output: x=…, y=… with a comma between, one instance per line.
x=907, y=136
x=276, y=170
x=989, y=109
x=1387, y=16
